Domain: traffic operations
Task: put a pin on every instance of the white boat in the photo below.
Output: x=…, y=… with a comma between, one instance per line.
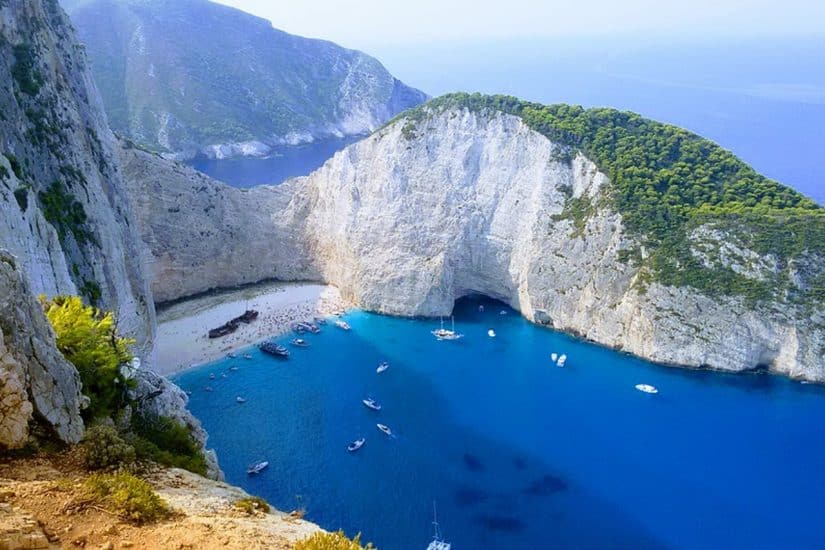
x=503, y=312
x=371, y=403
x=491, y=333
x=240, y=399
x=481, y=309
x=233, y=369
x=382, y=367
x=247, y=356
x=647, y=388
x=231, y=355
x=299, y=342
x=562, y=360
x=384, y=428
x=355, y=445
x=554, y=357
x=340, y=323
x=257, y=468
x=212, y=376
x=207, y=388
x=444, y=334
x=437, y=543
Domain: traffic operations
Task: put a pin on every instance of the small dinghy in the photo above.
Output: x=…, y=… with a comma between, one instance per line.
x=355, y=445
x=491, y=333
x=212, y=376
x=257, y=468
x=562, y=360
x=240, y=399
x=299, y=342
x=371, y=403
x=207, y=388
x=340, y=323
x=503, y=312
x=554, y=357
x=382, y=367
x=233, y=369
x=384, y=428
x=481, y=309
x=647, y=388
x=247, y=356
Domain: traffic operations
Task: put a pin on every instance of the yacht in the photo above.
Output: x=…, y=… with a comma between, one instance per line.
x=647, y=388
x=437, y=543
x=274, y=349
x=257, y=468
x=444, y=334
x=384, y=428
x=340, y=323
x=355, y=445
x=382, y=367
x=298, y=328
x=562, y=360
x=371, y=403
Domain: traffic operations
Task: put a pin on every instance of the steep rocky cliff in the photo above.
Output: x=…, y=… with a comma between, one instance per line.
x=64, y=214
x=432, y=208
x=192, y=76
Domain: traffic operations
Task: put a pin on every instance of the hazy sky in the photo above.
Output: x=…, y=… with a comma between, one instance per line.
x=366, y=23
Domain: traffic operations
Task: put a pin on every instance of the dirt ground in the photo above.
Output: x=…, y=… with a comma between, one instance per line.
x=43, y=505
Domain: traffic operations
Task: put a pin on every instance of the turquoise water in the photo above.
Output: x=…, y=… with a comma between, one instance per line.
x=518, y=453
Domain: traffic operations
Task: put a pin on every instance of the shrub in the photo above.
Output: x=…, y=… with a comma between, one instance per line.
x=251, y=505
x=332, y=541
x=168, y=442
x=88, y=338
x=104, y=448
x=24, y=71
x=128, y=496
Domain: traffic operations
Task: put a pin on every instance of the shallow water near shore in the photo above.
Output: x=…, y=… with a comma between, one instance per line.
x=517, y=452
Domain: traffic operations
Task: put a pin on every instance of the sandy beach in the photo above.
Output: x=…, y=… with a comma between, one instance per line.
x=182, y=340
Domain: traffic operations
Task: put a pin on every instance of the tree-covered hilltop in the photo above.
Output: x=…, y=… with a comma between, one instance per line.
x=673, y=187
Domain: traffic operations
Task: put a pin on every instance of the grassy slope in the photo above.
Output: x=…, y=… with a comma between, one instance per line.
x=666, y=182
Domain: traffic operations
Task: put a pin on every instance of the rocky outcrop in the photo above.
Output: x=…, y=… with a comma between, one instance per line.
x=63, y=211
x=155, y=396
x=35, y=380
x=424, y=212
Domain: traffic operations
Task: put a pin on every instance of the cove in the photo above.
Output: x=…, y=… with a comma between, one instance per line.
x=518, y=453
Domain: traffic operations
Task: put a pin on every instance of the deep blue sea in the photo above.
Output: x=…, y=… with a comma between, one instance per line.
x=517, y=452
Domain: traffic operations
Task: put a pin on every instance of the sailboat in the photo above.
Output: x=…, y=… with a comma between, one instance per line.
x=444, y=334
x=437, y=543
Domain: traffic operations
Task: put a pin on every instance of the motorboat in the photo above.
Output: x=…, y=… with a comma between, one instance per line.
x=298, y=328
x=247, y=356
x=503, y=312
x=371, y=403
x=647, y=388
x=445, y=334
x=232, y=355
x=299, y=342
x=382, y=366
x=491, y=333
x=233, y=369
x=481, y=309
x=355, y=445
x=340, y=323
x=276, y=350
x=312, y=327
x=384, y=428
x=207, y=388
x=554, y=357
x=562, y=360
x=257, y=468
x=437, y=543
x=320, y=321
x=240, y=399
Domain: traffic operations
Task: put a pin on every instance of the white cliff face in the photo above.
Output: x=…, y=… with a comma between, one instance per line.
x=64, y=214
x=416, y=216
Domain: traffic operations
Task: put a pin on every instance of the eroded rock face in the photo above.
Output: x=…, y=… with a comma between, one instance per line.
x=64, y=214
x=416, y=216
x=36, y=379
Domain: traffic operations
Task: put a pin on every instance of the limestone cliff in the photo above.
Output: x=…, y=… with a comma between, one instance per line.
x=417, y=215
x=64, y=214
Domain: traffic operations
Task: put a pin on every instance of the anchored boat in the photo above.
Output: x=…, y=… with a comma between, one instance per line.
x=382, y=367
x=437, y=543
x=355, y=445
x=257, y=468
x=444, y=334
x=371, y=403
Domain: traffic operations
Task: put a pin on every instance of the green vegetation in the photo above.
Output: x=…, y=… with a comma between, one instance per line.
x=666, y=182
x=104, y=448
x=252, y=505
x=24, y=72
x=15, y=166
x=88, y=338
x=65, y=213
x=166, y=441
x=128, y=496
x=332, y=541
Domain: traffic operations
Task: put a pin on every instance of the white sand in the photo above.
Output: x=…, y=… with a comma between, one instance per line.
x=182, y=340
